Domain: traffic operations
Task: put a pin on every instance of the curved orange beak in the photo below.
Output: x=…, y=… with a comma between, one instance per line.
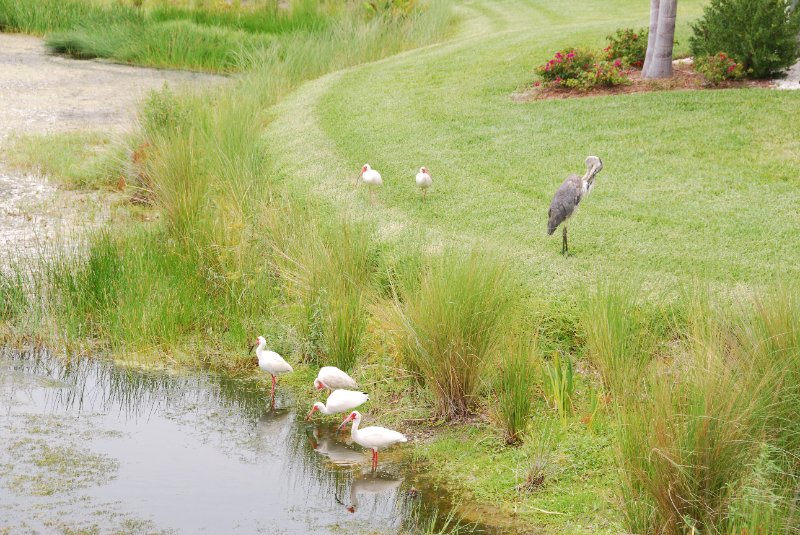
x=344, y=424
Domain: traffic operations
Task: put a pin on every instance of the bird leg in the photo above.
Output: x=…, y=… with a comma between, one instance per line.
x=374, y=460
x=272, y=392
x=564, y=246
x=372, y=194
x=424, y=193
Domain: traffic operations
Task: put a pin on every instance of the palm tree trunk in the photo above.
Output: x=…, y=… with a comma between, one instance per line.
x=660, y=58
x=651, y=36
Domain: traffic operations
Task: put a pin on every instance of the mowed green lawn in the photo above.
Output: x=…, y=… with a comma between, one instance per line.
x=697, y=185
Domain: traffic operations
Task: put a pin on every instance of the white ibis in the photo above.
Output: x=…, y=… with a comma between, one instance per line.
x=424, y=181
x=339, y=401
x=374, y=438
x=333, y=378
x=372, y=178
x=270, y=362
x=568, y=196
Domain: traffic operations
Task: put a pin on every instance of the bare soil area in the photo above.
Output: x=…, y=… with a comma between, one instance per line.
x=42, y=94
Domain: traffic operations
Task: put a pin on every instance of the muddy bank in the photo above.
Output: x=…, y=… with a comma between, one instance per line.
x=42, y=94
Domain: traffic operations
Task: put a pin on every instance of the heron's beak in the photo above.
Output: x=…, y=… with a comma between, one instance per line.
x=308, y=418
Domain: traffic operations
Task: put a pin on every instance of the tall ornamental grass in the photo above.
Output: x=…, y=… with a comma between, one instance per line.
x=451, y=326
x=710, y=443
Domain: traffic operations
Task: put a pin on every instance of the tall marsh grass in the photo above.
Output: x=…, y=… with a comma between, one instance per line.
x=208, y=269
x=558, y=385
x=707, y=442
x=516, y=387
x=211, y=38
x=451, y=326
x=618, y=343
x=329, y=270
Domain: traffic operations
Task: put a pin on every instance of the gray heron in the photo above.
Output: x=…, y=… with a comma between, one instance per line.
x=568, y=196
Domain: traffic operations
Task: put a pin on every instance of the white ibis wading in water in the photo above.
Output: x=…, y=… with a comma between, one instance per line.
x=333, y=378
x=372, y=178
x=424, y=181
x=374, y=438
x=339, y=401
x=568, y=196
x=270, y=362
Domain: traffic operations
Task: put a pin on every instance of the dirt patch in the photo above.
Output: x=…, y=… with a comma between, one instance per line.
x=684, y=78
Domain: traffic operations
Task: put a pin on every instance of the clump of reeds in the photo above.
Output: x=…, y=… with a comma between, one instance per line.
x=703, y=437
x=558, y=384
x=516, y=387
x=618, y=343
x=330, y=272
x=451, y=325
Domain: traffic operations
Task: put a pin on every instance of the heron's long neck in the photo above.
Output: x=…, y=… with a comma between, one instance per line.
x=588, y=180
x=354, y=429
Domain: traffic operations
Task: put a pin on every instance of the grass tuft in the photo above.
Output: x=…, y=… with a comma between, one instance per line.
x=516, y=387
x=451, y=325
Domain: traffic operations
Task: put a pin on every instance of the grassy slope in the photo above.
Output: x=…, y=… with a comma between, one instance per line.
x=697, y=186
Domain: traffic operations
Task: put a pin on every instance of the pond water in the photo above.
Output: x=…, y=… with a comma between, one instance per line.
x=87, y=445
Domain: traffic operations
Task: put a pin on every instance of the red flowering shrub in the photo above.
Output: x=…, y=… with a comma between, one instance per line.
x=719, y=67
x=581, y=69
x=628, y=45
x=565, y=65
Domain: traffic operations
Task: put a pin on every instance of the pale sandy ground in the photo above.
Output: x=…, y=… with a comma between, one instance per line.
x=792, y=80
x=40, y=93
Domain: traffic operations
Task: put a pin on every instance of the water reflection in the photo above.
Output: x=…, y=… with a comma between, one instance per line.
x=374, y=483
x=336, y=447
x=194, y=454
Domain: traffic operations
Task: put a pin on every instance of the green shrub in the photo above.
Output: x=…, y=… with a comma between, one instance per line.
x=450, y=327
x=516, y=388
x=163, y=111
x=718, y=68
x=581, y=69
x=760, y=34
x=628, y=45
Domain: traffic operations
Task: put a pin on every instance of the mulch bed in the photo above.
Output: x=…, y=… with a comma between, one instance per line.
x=684, y=78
